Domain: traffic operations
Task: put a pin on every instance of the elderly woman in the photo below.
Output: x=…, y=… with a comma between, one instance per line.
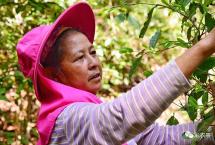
x=66, y=73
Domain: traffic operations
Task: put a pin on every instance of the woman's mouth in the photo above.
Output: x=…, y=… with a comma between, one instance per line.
x=95, y=77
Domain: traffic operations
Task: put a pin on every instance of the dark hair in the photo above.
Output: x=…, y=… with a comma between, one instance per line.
x=55, y=56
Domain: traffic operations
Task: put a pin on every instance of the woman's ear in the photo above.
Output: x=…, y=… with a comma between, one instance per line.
x=60, y=77
x=49, y=71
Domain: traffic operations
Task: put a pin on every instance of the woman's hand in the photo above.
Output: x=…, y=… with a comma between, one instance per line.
x=208, y=43
x=194, y=56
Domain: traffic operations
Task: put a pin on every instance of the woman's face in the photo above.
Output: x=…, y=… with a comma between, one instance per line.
x=79, y=67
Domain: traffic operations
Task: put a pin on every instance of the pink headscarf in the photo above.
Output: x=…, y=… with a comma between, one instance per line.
x=56, y=97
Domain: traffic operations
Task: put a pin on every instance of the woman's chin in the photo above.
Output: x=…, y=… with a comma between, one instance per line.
x=95, y=88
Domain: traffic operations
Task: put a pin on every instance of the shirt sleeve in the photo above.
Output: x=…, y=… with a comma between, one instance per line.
x=120, y=120
x=169, y=135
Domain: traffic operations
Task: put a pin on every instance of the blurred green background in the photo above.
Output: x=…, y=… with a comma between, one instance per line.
x=117, y=43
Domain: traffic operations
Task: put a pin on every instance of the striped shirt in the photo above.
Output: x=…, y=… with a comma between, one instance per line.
x=130, y=117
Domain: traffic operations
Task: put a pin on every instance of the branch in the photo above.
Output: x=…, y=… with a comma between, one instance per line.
x=160, y=5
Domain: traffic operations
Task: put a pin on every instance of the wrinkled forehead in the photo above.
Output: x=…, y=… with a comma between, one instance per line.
x=75, y=42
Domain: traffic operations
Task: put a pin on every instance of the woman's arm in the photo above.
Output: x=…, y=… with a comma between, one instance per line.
x=194, y=56
x=120, y=120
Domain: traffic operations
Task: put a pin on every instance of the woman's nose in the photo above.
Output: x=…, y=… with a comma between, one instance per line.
x=93, y=62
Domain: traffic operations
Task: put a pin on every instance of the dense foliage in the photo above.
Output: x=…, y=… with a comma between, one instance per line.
x=133, y=39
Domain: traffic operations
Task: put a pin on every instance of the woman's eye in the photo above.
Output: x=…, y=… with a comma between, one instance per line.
x=79, y=58
x=93, y=52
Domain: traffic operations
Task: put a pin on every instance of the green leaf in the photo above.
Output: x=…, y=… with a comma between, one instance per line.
x=9, y=136
x=192, y=102
x=203, y=126
x=2, y=91
x=201, y=8
x=201, y=75
x=146, y=24
x=20, y=8
x=39, y=6
x=208, y=64
x=172, y=121
x=209, y=22
x=121, y=18
x=147, y=73
x=192, y=108
x=189, y=33
x=24, y=140
x=208, y=2
x=202, y=70
x=125, y=50
x=154, y=39
x=184, y=3
x=134, y=66
x=205, y=98
x=2, y=94
x=194, y=142
x=133, y=22
x=192, y=9
x=168, y=44
x=192, y=112
x=3, y=2
x=123, y=2
x=164, y=2
x=19, y=76
x=208, y=114
x=197, y=92
x=181, y=43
